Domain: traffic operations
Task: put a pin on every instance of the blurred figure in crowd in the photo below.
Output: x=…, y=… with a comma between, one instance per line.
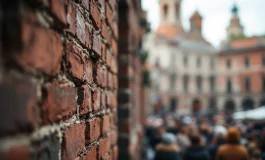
x=232, y=150
x=196, y=151
x=219, y=139
x=160, y=131
x=167, y=149
x=182, y=139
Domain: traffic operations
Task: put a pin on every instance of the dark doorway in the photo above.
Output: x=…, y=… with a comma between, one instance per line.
x=212, y=104
x=247, y=104
x=229, y=106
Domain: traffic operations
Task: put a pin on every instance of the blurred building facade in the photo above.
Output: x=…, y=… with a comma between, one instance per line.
x=241, y=64
x=183, y=62
x=188, y=74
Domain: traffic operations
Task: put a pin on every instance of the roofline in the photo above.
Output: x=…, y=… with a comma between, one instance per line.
x=242, y=50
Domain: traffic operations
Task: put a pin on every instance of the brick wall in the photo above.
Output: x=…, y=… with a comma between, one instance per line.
x=131, y=108
x=58, y=80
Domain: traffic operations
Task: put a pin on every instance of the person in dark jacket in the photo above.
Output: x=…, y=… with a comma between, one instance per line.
x=167, y=149
x=196, y=151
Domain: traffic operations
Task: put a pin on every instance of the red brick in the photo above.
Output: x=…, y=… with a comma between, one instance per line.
x=105, y=125
x=96, y=100
x=19, y=152
x=18, y=111
x=84, y=100
x=96, y=45
x=103, y=52
x=74, y=62
x=85, y=3
x=106, y=33
x=57, y=7
x=93, y=130
x=115, y=81
x=110, y=80
x=92, y=153
x=59, y=101
x=114, y=47
x=113, y=4
x=104, y=147
x=103, y=100
x=42, y=49
x=114, y=138
x=109, y=59
x=97, y=76
x=95, y=14
x=115, y=152
x=83, y=31
x=89, y=71
x=109, y=14
x=71, y=18
x=73, y=141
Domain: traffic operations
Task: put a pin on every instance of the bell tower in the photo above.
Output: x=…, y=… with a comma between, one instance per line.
x=170, y=18
x=234, y=28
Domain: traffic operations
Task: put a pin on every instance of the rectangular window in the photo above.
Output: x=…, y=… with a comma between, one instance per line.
x=246, y=62
x=247, y=84
x=212, y=84
x=212, y=63
x=186, y=84
x=229, y=86
x=199, y=84
x=228, y=63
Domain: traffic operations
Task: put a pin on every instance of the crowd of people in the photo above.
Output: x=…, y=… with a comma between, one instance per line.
x=218, y=137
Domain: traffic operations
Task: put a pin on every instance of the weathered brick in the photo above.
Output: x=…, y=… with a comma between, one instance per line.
x=84, y=100
x=109, y=59
x=114, y=138
x=115, y=152
x=96, y=45
x=106, y=33
x=103, y=52
x=95, y=14
x=109, y=14
x=103, y=99
x=92, y=130
x=96, y=99
x=85, y=3
x=92, y=153
x=110, y=80
x=97, y=73
x=57, y=7
x=42, y=49
x=115, y=81
x=73, y=141
x=104, y=146
x=18, y=111
x=59, y=102
x=74, y=62
x=71, y=18
x=83, y=30
x=89, y=71
x=105, y=125
x=114, y=47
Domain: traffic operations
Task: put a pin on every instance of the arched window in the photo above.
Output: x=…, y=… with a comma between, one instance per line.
x=165, y=10
x=246, y=62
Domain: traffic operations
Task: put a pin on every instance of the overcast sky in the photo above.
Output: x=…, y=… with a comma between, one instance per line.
x=216, y=14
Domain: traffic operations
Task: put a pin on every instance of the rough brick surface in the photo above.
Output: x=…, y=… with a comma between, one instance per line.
x=60, y=101
x=59, y=78
x=73, y=141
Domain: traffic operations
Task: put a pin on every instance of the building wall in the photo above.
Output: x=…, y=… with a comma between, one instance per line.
x=238, y=72
x=58, y=83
